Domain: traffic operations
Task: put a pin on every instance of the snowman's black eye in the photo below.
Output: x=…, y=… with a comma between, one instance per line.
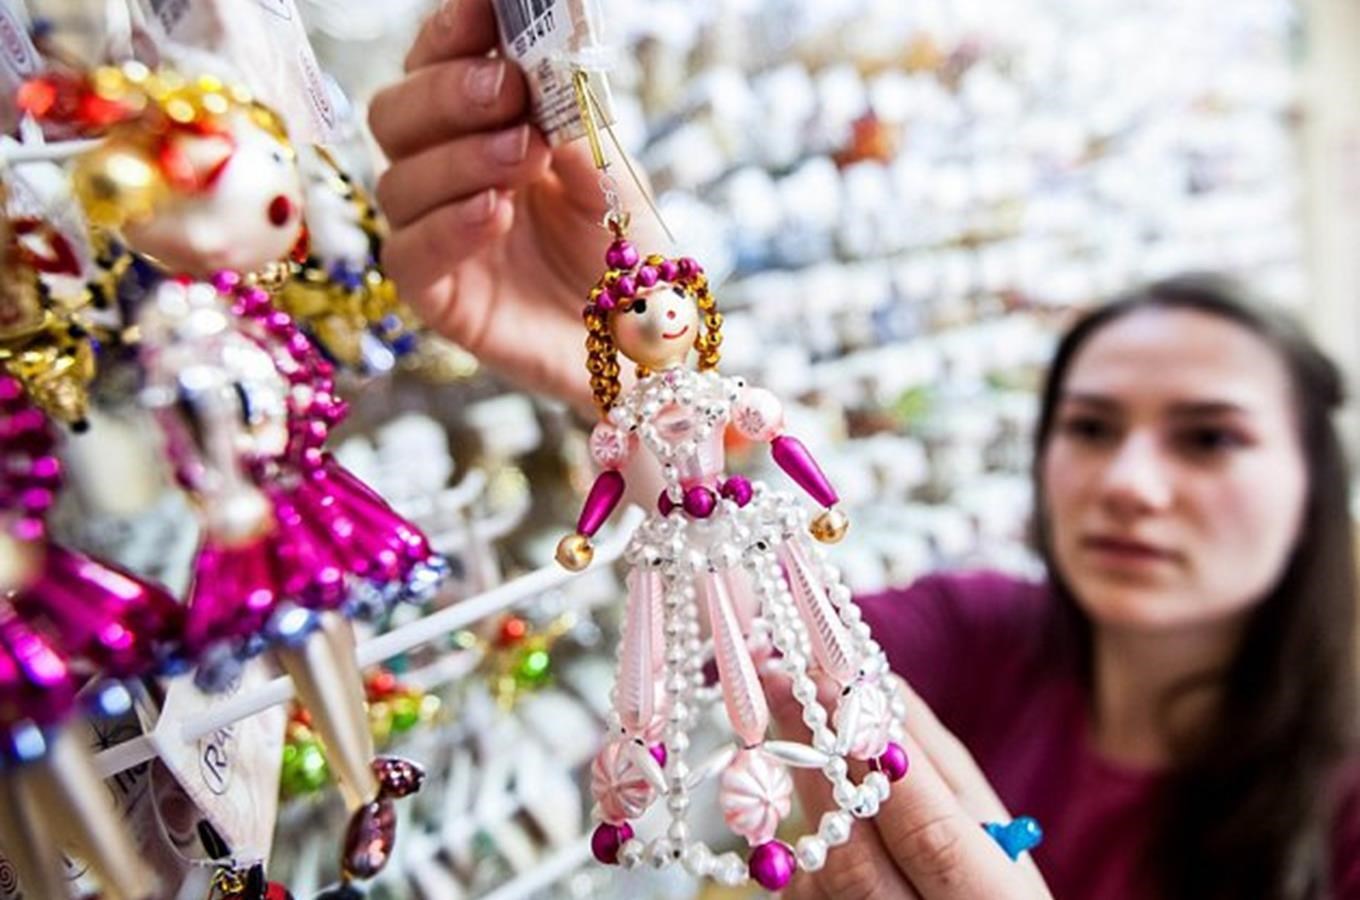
x=639, y=306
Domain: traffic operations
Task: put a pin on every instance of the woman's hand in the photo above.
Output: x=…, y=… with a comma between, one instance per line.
x=926, y=842
x=496, y=238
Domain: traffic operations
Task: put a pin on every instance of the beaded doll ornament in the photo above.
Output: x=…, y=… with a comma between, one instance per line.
x=726, y=557
x=202, y=179
x=65, y=619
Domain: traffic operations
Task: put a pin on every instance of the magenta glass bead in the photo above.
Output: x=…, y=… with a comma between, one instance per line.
x=658, y=752
x=772, y=865
x=369, y=839
x=699, y=502
x=647, y=276
x=624, y=288
x=46, y=470
x=687, y=268
x=621, y=255
x=894, y=762
x=607, y=840
x=738, y=489
x=667, y=270
x=665, y=504
x=604, y=496
x=605, y=302
x=226, y=280
x=798, y=463
x=10, y=389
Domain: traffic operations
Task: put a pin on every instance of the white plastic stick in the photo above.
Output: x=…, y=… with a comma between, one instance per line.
x=375, y=650
x=53, y=152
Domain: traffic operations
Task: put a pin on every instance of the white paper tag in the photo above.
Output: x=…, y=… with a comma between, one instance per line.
x=19, y=59
x=230, y=777
x=268, y=48
x=549, y=39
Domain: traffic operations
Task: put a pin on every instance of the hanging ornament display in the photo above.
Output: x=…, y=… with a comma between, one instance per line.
x=725, y=556
x=198, y=177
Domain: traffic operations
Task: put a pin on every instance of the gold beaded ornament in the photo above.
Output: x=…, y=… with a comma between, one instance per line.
x=145, y=114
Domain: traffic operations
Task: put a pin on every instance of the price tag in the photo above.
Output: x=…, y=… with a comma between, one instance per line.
x=225, y=790
x=268, y=48
x=549, y=39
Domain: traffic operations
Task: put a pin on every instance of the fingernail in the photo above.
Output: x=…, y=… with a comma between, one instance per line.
x=446, y=14
x=484, y=80
x=509, y=147
x=479, y=208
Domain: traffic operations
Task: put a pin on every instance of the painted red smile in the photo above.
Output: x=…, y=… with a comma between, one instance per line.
x=680, y=333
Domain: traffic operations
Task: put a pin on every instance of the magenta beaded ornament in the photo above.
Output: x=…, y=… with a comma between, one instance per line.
x=63, y=613
x=728, y=558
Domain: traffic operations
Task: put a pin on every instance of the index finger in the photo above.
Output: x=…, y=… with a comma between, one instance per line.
x=944, y=852
x=456, y=28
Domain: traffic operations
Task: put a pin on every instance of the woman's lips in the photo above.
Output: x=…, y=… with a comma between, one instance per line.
x=1126, y=550
x=680, y=333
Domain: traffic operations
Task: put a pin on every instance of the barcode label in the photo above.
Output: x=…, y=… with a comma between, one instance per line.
x=543, y=36
x=524, y=23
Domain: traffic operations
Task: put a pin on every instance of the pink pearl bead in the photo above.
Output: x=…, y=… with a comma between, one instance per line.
x=607, y=840
x=738, y=489
x=894, y=762
x=687, y=268
x=647, y=276
x=658, y=752
x=605, y=302
x=665, y=504
x=225, y=280
x=699, y=502
x=772, y=865
x=667, y=270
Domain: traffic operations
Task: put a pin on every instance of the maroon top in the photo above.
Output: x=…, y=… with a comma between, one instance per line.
x=980, y=649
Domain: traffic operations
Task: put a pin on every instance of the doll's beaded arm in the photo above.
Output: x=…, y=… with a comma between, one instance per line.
x=759, y=416
x=611, y=447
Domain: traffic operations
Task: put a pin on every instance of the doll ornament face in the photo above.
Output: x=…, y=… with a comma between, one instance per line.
x=249, y=215
x=658, y=328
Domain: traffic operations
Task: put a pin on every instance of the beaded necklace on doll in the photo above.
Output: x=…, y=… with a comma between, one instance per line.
x=725, y=557
x=201, y=179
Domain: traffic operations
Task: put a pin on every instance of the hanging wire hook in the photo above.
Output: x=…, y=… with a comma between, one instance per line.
x=592, y=117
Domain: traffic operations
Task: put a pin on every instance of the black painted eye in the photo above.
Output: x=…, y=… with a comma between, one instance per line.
x=639, y=306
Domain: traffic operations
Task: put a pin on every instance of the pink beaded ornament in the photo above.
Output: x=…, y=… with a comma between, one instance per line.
x=724, y=557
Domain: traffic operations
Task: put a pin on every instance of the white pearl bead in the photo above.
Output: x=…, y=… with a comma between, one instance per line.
x=660, y=853
x=678, y=832
x=879, y=782
x=698, y=860
x=845, y=794
x=814, y=716
x=811, y=852
x=836, y=768
x=795, y=660
x=861, y=630
x=678, y=744
x=679, y=712
x=835, y=828
x=867, y=803
x=804, y=691
x=730, y=870
x=630, y=854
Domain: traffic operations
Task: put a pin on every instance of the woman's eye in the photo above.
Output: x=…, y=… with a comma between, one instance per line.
x=1210, y=440
x=639, y=307
x=1086, y=428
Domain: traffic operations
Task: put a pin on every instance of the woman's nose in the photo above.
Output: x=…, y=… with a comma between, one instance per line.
x=1137, y=480
x=670, y=314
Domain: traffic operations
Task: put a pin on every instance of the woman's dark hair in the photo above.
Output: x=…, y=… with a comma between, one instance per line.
x=1246, y=812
